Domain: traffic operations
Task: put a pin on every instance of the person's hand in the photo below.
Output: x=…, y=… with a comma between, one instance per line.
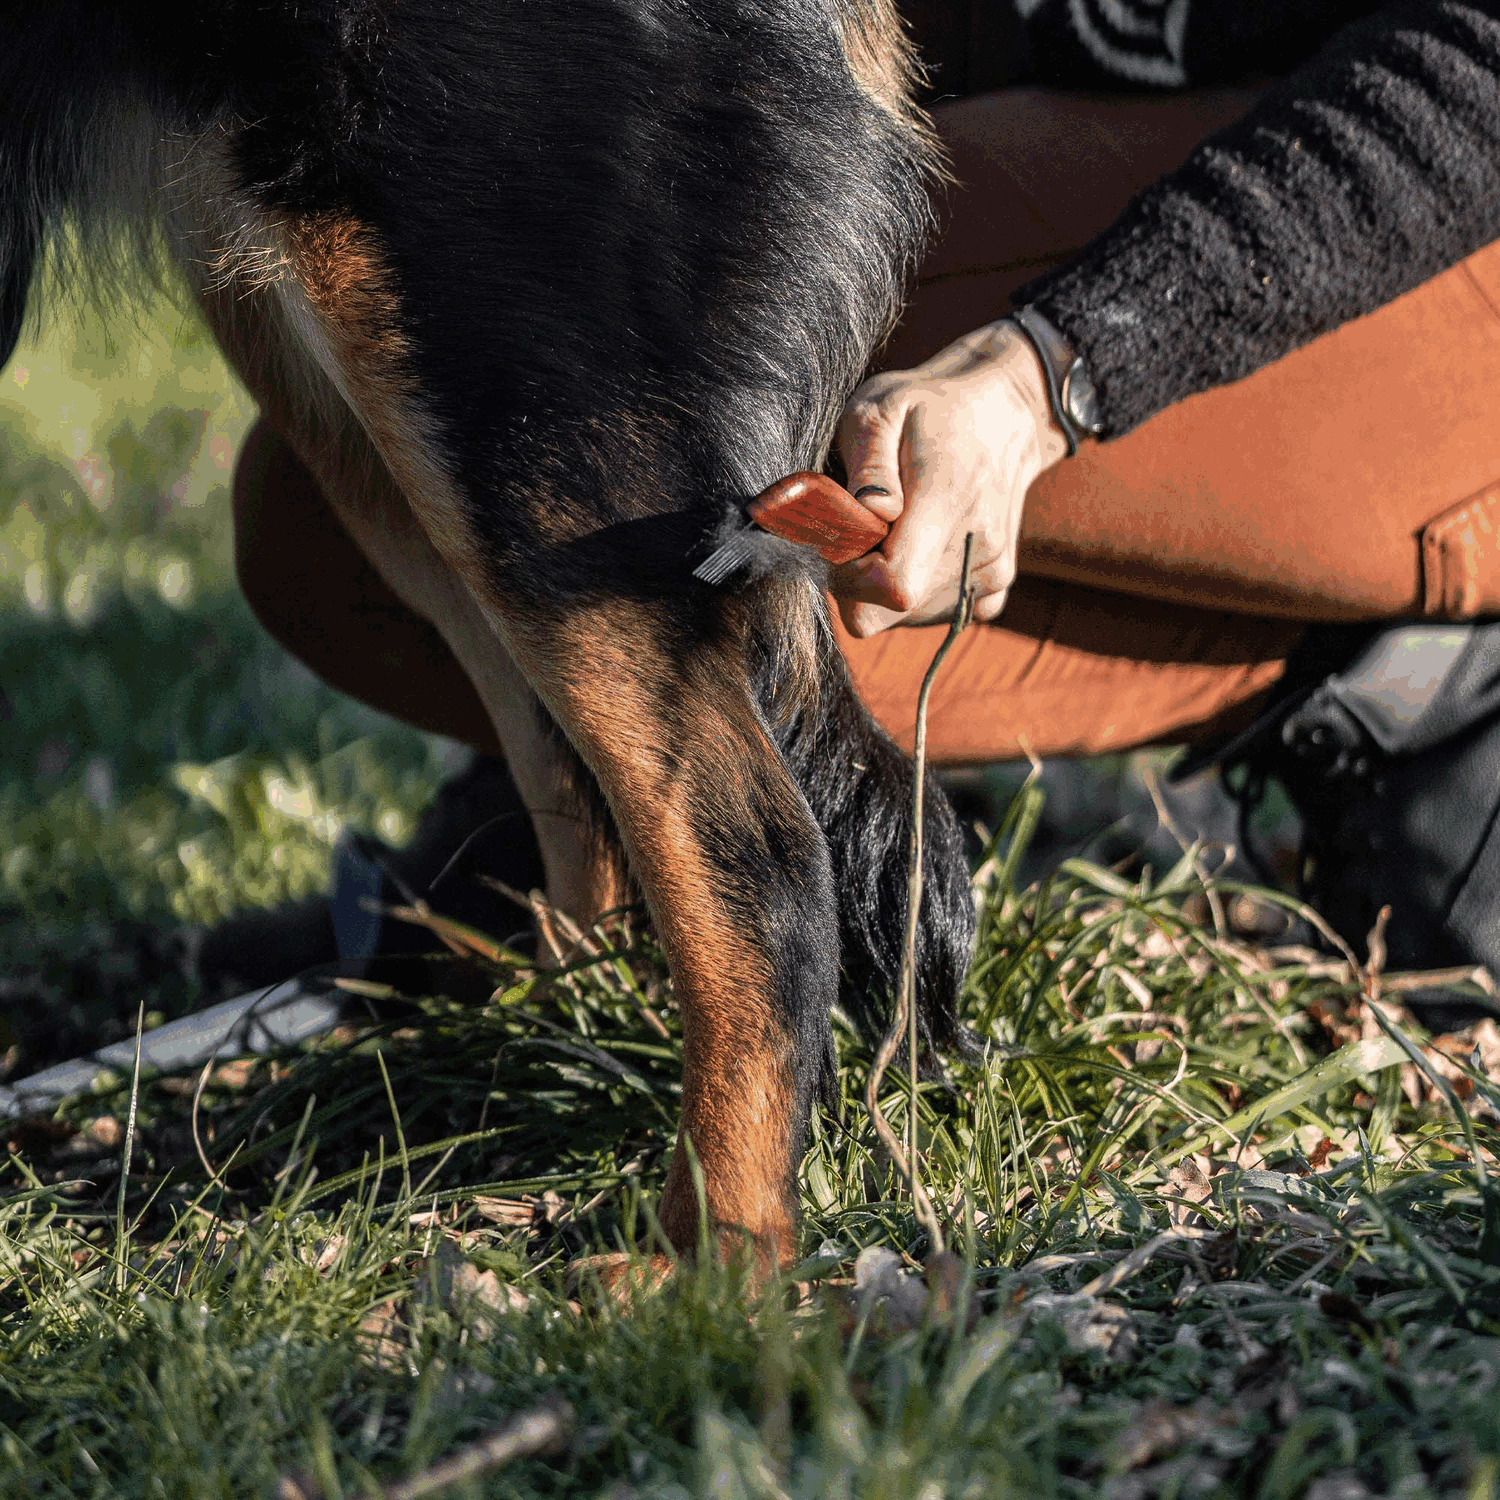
x=947, y=448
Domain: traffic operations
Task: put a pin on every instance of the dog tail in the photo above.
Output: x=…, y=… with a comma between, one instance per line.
x=858, y=784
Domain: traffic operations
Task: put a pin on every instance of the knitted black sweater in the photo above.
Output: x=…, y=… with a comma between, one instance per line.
x=1369, y=168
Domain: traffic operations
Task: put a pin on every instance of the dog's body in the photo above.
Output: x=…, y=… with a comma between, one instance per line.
x=541, y=294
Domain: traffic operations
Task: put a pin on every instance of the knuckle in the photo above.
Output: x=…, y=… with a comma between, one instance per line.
x=996, y=572
x=877, y=402
x=864, y=414
x=901, y=591
x=877, y=386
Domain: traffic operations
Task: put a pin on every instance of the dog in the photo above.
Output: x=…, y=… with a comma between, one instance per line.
x=542, y=294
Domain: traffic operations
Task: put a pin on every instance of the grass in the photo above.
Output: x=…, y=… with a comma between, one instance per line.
x=1227, y=1218
x=161, y=761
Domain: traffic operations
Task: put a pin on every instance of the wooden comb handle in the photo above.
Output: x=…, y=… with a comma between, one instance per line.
x=812, y=509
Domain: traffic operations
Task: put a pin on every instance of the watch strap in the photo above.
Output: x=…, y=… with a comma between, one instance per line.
x=1070, y=389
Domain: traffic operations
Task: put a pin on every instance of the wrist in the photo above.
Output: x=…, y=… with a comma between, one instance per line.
x=1071, y=393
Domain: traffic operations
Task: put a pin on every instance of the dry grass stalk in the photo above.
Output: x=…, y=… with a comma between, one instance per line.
x=904, y=1023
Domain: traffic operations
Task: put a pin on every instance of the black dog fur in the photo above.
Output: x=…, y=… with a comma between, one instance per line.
x=617, y=264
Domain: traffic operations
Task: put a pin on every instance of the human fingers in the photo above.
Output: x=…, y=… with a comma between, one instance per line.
x=990, y=588
x=869, y=442
x=866, y=612
x=869, y=580
x=958, y=440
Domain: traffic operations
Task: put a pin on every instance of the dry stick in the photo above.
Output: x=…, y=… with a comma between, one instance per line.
x=905, y=1020
x=208, y=1166
x=551, y=921
x=543, y=1429
x=1164, y=814
x=122, y=1269
x=1375, y=947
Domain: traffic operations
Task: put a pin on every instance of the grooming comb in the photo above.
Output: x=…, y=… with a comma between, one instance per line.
x=807, y=508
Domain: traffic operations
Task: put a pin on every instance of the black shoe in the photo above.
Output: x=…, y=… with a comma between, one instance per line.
x=475, y=826
x=1388, y=744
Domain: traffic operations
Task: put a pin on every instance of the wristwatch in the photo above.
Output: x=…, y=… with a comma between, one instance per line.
x=1070, y=389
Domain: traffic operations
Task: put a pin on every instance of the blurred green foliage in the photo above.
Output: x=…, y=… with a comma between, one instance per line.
x=161, y=759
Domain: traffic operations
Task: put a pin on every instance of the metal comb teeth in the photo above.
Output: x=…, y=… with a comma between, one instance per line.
x=806, y=508
x=722, y=561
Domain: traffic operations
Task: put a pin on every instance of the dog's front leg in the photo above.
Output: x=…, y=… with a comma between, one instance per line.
x=733, y=866
x=566, y=579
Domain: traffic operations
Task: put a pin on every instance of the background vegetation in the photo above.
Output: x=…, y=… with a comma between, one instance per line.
x=161, y=760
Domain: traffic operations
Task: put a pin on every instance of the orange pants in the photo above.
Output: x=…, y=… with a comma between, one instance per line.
x=1163, y=575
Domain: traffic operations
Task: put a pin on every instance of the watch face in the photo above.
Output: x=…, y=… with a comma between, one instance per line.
x=1081, y=399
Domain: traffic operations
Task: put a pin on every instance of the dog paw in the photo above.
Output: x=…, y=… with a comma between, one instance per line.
x=617, y=1278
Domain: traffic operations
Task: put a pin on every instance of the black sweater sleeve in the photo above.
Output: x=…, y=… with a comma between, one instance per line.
x=1372, y=167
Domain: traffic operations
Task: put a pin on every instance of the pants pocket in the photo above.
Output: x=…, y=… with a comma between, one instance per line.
x=1461, y=559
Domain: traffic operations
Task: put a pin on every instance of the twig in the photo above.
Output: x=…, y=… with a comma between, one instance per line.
x=1164, y=815
x=462, y=941
x=208, y=1166
x=1315, y=919
x=550, y=921
x=905, y=1019
x=1427, y=979
x=1375, y=947
x=121, y=1249
x=543, y=1429
x=539, y=1430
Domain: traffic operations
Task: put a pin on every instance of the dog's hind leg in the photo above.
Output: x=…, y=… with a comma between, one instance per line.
x=654, y=697
x=738, y=880
x=584, y=876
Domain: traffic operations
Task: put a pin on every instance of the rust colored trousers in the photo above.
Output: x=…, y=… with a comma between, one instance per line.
x=1163, y=576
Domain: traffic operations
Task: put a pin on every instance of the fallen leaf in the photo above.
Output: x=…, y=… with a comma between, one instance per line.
x=1188, y=1183
x=893, y=1301
x=381, y=1333
x=478, y=1298
x=1090, y=1325
x=514, y=1213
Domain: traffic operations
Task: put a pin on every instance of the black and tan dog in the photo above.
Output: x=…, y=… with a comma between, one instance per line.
x=542, y=292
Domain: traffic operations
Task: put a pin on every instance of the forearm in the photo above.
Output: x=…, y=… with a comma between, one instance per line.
x=1372, y=168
